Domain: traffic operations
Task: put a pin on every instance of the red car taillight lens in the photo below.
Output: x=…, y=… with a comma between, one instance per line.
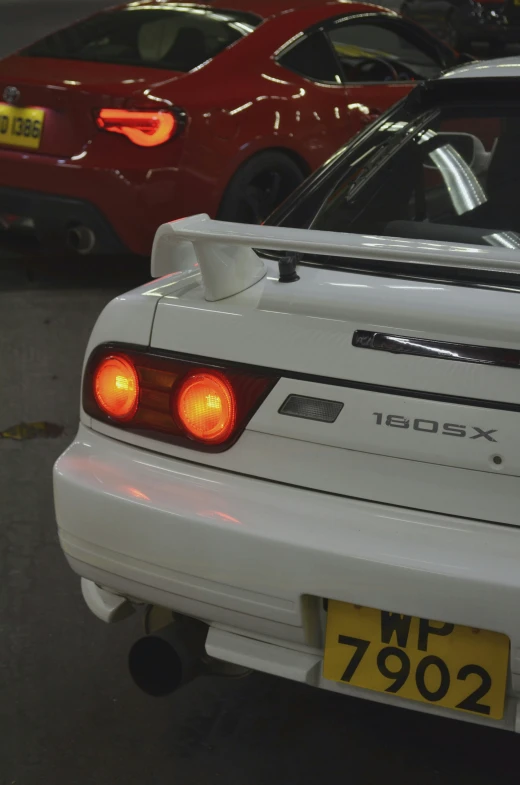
x=146, y=129
x=116, y=387
x=207, y=407
x=198, y=404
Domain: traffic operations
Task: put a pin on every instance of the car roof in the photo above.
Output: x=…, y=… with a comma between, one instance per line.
x=503, y=67
x=263, y=8
x=277, y=7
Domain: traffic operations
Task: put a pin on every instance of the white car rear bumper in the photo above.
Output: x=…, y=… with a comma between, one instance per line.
x=255, y=559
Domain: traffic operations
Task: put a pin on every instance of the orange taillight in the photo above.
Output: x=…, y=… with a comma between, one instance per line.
x=206, y=407
x=116, y=387
x=146, y=129
x=170, y=398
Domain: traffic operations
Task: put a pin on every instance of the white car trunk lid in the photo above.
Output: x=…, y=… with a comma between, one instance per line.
x=422, y=375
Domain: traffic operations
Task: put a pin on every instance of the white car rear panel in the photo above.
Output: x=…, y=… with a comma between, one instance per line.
x=359, y=454
x=255, y=558
x=305, y=330
x=364, y=510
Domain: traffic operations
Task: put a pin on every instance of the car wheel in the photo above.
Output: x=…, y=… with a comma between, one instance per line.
x=259, y=186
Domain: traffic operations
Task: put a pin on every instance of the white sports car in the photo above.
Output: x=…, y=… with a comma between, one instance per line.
x=302, y=443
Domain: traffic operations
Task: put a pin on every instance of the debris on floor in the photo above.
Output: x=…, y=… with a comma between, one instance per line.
x=32, y=430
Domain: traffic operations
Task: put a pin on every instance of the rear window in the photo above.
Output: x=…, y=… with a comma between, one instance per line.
x=451, y=175
x=440, y=170
x=440, y=167
x=170, y=37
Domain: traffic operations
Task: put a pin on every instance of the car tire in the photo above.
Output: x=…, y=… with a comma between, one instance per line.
x=259, y=186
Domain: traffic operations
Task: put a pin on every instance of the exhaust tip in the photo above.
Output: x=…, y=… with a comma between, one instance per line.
x=81, y=239
x=155, y=666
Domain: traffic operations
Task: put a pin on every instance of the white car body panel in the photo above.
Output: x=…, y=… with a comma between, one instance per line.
x=497, y=68
x=327, y=306
x=254, y=557
x=370, y=465
x=254, y=539
x=128, y=317
x=357, y=474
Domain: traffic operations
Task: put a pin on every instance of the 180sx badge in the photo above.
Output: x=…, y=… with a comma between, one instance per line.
x=433, y=426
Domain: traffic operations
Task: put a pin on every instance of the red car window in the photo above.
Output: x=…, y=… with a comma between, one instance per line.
x=360, y=41
x=175, y=39
x=313, y=58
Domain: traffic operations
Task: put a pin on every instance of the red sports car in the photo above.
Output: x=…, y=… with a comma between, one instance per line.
x=156, y=110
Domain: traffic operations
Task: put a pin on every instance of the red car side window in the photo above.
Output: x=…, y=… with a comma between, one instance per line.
x=313, y=58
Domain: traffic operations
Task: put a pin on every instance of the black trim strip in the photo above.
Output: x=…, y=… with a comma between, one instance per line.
x=211, y=362
x=451, y=276
x=439, y=350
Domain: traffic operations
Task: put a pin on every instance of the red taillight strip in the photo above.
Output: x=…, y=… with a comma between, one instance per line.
x=182, y=400
x=145, y=129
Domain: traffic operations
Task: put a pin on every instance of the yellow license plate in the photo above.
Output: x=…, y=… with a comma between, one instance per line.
x=21, y=127
x=428, y=661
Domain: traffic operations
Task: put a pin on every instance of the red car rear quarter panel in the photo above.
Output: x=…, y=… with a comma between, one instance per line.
x=135, y=201
x=220, y=138
x=134, y=187
x=260, y=106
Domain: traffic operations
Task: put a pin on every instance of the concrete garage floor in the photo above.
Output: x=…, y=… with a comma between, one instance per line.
x=69, y=714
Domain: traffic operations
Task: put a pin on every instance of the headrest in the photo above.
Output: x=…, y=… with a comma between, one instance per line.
x=157, y=38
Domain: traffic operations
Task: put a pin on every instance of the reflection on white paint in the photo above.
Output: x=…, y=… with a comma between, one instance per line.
x=350, y=285
x=504, y=240
x=425, y=288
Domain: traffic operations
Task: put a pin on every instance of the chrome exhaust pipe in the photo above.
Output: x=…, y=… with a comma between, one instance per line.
x=162, y=662
x=81, y=239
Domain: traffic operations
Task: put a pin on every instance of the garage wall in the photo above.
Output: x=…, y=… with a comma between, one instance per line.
x=23, y=21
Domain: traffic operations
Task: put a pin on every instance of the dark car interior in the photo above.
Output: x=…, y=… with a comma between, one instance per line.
x=456, y=186
x=171, y=38
x=387, y=49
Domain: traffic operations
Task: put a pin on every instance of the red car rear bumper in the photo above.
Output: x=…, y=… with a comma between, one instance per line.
x=123, y=207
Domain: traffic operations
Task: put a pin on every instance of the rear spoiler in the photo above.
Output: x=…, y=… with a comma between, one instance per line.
x=225, y=253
